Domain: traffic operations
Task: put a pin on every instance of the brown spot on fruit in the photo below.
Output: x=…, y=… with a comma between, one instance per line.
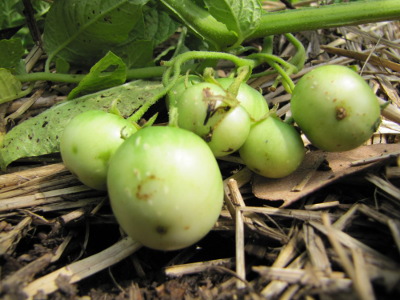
x=340, y=113
x=141, y=192
x=161, y=229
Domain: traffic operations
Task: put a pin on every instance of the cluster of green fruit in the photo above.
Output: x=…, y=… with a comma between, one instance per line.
x=164, y=182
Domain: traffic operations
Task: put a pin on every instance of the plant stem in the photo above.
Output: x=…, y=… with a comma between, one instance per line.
x=140, y=73
x=199, y=21
x=56, y=77
x=288, y=21
x=145, y=73
x=328, y=16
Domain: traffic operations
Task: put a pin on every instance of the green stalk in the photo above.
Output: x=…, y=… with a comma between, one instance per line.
x=288, y=21
x=56, y=77
x=199, y=21
x=327, y=16
x=139, y=73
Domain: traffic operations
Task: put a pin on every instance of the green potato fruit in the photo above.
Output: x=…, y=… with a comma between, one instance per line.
x=202, y=110
x=335, y=108
x=273, y=149
x=165, y=187
x=88, y=142
x=252, y=100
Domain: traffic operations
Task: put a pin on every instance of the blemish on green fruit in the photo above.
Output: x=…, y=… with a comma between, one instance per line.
x=162, y=230
x=105, y=156
x=141, y=192
x=75, y=149
x=341, y=113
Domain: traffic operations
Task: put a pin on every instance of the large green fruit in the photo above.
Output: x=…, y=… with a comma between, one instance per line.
x=335, y=108
x=165, y=187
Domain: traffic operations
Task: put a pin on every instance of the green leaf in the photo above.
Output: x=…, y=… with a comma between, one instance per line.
x=11, y=53
x=10, y=87
x=62, y=66
x=136, y=54
x=83, y=31
x=154, y=28
x=10, y=13
x=107, y=72
x=158, y=26
x=40, y=135
x=240, y=16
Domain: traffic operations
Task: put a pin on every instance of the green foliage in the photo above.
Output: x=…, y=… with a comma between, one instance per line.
x=108, y=72
x=10, y=87
x=11, y=14
x=156, y=26
x=40, y=135
x=241, y=17
x=11, y=53
x=89, y=29
x=95, y=27
x=12, y=19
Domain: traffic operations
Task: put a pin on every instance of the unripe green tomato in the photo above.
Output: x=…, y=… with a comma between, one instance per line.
x=273, y=149
x=165, y=187
x=201, y=109
x=180, y=86
x=249, y=98
x=229, y=134
x=335, y=108
x=87, y=143
x=193, y=106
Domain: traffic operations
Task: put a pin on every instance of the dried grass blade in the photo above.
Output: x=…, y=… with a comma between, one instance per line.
x=372, y=256
x=316, y=251
x=346, y=218
x=12, y=283
x=192, y=268
x=389, y=89
x=242, y=177
x=63, y=205
x=287, y=257
x=39, y=184
x=40, y=198
x=17, y=178
x=342, y=254
x=323, y=205
x=390, y=111
x=375, y=60
x=385, y=186
x=298, y=214
x=376, y=215
x=10, y=239
x=297, y=276
x=361, y=280
x=234, y=201
x=394, y=226
x=83, y=268
x=237, y=201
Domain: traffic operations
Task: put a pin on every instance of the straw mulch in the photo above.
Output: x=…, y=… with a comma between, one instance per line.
x=329, y=231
